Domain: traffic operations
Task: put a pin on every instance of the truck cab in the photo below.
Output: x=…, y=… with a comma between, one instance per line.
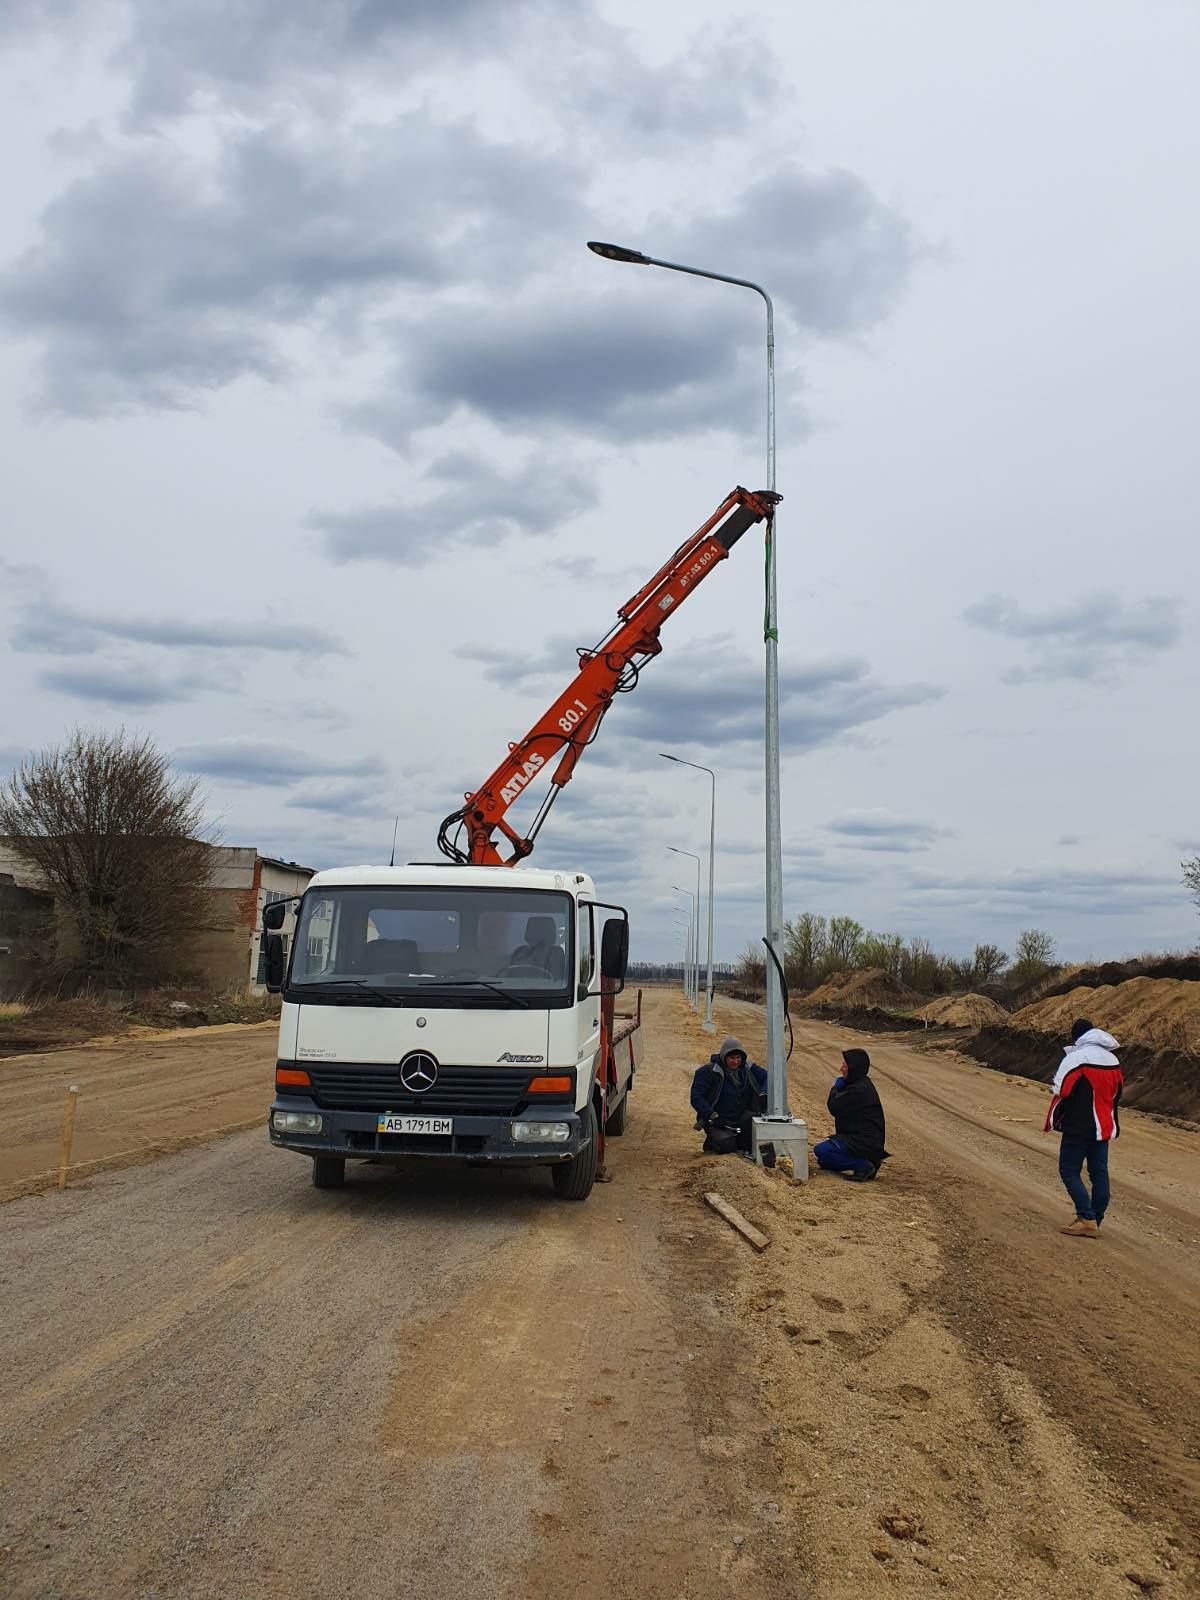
x=462, y=1013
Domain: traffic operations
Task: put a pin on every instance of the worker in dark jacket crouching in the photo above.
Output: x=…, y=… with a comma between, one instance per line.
x=728, y=1092
x=856, y=1149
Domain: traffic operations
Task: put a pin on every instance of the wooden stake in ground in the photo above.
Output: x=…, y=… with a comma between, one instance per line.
x=64, y=1155
x=736, y=1220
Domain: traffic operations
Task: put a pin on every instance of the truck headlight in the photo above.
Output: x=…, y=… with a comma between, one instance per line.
x=541, y=1132
x=296, y=1122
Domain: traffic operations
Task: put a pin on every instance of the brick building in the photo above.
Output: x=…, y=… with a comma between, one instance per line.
x=225, y=948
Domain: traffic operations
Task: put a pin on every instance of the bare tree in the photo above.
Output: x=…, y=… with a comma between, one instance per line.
x=988, y=963
x=118, y=838
x=1035, y=956
x=1191, y=877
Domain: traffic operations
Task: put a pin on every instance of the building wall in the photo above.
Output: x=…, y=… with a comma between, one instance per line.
x=26, y=934
x=223, y=949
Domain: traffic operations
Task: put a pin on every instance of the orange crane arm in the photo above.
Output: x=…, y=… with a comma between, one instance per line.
x=572, y=722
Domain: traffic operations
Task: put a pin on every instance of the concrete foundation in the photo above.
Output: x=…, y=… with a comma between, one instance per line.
x=782, y=1136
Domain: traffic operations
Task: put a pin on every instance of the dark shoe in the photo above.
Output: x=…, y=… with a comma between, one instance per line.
x=864, y=1176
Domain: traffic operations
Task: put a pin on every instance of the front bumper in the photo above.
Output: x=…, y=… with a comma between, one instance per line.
x=476, y=1139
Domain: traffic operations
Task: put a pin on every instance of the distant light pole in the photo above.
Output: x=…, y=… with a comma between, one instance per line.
x=684, y=928
x=696, y=943
x=709, y=1025
x=777, y=1101
x=692, y=994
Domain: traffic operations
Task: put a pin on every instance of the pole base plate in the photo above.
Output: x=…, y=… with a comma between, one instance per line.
x=776, y=1137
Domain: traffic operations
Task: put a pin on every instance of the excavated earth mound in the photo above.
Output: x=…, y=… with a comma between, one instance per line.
x=963, y=1011
x=862, y=990
x=1154, y=1011
x=1122, y=971
x=1163, y=1081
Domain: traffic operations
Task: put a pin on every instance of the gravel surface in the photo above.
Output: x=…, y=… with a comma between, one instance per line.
x=217, y=1381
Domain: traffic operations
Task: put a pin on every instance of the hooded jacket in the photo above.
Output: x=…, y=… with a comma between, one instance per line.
x=717, y=1090
x=1087, y=1090
x=857, y=1112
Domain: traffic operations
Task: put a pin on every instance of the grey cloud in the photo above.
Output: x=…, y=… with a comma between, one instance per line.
x=610, y=368
x=115, y=684
x=821, y=243
x=342, y=800
x=157, y=277
x=1087, y=640
x=188, y=48
x=879, y=829
x=1042, y=892
x=245, y=759
x=709, y=696
x=61, y=630
x=471, y=502
x=639, y=363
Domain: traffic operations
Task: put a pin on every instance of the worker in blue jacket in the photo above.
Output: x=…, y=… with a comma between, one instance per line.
x=728, y=1091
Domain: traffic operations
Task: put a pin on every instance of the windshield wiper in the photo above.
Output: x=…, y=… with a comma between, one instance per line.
x=476, y=983
x=381, y=997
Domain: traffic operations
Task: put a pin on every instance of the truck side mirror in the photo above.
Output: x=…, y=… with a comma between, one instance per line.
x=614, y=951
x=275, y=915
x=276, y=963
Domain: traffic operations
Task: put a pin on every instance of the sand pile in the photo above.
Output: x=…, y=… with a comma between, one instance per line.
x=963, y=1011
x=1160, y=1011
x=861, y=989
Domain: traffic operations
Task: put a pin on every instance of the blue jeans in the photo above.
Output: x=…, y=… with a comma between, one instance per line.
x=1071, y=1156
x=833, y=1156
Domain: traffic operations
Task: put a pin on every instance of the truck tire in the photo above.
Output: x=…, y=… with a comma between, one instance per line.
x=329, y=1172
x=573, y=1180
x=614, y=1125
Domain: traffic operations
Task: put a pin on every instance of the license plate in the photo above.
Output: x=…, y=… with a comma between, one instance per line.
x=433, y=1125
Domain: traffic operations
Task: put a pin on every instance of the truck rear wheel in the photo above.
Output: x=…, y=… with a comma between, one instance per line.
x=329, y=1172
x=614, y=1125
x=573, y=1180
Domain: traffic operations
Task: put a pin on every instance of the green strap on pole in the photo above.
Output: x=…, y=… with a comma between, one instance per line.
x=769, y=550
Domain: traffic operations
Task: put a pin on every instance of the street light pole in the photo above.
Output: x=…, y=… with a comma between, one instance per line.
x=709, y=1025
x=777, y=1100
x=685, y=928
x=692, y=992
x=696, y=941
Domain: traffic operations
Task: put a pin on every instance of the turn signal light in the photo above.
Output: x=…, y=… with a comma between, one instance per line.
x=292, y=1078
x=561, y=1085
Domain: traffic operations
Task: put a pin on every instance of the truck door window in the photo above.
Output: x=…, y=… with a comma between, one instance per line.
x=587, y=949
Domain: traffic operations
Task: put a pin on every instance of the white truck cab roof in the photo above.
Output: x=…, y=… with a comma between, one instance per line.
x=418, y=875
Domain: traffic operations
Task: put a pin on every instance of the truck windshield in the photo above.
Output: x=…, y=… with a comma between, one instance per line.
x=411, y=939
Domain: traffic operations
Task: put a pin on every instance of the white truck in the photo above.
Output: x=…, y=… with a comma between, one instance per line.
x=466, y=1010
x=465, y=1013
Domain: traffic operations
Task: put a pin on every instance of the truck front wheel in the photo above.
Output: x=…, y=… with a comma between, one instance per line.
x=329, y=1172
x=573, y=1180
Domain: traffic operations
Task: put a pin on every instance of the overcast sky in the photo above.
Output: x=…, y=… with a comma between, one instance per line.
x=326, y=440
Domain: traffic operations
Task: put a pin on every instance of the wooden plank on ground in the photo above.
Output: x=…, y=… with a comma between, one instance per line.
x=737, y=1221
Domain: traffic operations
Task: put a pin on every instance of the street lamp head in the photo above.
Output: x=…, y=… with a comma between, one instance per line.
x=666, y=757
x=618, y=252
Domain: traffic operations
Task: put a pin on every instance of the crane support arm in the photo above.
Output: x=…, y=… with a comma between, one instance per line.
x=568, y=726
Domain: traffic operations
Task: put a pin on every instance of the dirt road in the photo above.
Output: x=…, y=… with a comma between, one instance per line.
x=217, y=1381
x=139, y=1097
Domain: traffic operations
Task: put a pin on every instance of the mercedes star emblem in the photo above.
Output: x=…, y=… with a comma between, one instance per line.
x=418, y=1073
x=420, y=1022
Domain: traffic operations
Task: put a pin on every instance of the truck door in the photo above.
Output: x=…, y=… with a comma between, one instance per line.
x=587, y=1009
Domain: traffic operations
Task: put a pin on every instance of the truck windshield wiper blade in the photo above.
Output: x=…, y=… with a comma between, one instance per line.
x=476, y=983
x=383, y=997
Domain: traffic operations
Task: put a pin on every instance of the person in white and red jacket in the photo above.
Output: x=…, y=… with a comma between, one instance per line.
x=1085, y=1111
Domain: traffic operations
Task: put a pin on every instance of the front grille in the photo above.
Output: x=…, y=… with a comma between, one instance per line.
x=485, y=1091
